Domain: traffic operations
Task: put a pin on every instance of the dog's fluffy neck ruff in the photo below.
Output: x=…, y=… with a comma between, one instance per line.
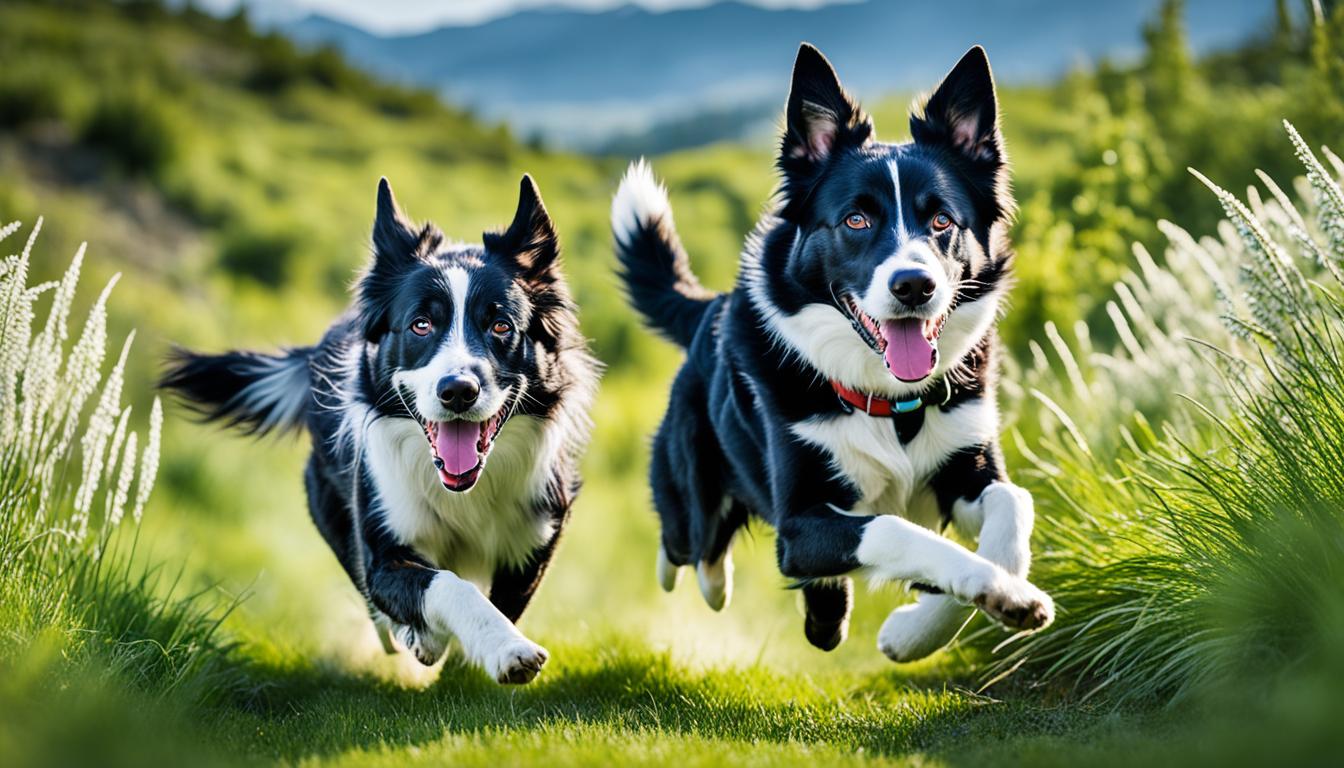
x=487, y=526
x=820, y=336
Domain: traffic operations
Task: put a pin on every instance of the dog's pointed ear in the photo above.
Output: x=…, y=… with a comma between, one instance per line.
x=818, y=109
x=963, y=112
x=819, y=120
x=530, y=241
x=394, y=237
x=397, y=246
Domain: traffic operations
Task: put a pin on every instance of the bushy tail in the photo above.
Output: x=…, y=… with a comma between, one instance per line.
x=654, y=266
x=254, y=392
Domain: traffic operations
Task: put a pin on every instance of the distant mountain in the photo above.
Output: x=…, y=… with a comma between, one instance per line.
x=580, y=77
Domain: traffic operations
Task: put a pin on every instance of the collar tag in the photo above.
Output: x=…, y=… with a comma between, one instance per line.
x=906, y=406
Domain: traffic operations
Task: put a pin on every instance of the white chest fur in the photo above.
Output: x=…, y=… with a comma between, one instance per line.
x=469, y=533
x=890, y=477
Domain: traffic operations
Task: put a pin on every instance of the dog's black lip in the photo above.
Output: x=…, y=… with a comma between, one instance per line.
x=856, y=317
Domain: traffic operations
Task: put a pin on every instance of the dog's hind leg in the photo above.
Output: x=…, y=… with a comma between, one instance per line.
x=716, y=580
x=686, y=475
x=384, y=626
x=714, y=566
x=674, y=542
x=669, y=574
x=828, y=603
x=1001, y=517
x=512, y=586
x=422, y=644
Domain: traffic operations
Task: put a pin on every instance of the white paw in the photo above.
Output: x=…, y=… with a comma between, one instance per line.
x=423, y=645
x=1015, y=603
x=716, y=580
x=384, y=626
x=917, y=630
x=668, y=574
x=516, y=661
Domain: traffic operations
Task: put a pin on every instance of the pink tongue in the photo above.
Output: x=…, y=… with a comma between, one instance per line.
x=909, y=355
x=456, y=445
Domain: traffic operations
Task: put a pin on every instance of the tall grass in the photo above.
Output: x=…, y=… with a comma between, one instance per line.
x=75, y=478
x=1210, y=547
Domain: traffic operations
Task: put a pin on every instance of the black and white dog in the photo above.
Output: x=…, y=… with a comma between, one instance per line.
x=844, y=390
x=447, y=409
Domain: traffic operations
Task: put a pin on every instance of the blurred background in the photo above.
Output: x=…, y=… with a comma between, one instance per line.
x=223, y=157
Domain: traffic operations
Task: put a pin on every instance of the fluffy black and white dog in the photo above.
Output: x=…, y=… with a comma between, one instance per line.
x=844, y=390
x=447, y=409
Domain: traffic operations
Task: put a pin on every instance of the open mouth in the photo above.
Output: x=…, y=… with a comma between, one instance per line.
x=908, y=345
x=460, y=449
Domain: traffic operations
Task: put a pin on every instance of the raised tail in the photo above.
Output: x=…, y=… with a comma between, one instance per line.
x=254, y=392
x=654, y=266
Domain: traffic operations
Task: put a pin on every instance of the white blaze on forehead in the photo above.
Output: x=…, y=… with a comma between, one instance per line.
x=901, y=234
x=453, y=355
x=458, y=283
x=877, y=300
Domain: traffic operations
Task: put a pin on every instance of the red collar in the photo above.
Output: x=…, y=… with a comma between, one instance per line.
x=880, y=406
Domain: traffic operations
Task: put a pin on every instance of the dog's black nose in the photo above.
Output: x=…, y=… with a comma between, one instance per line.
x=458, y=391
x=912, y=287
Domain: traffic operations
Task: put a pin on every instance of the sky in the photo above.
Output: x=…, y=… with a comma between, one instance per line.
x=389, y=16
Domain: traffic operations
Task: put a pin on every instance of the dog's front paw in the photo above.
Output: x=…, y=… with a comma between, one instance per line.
x=517, y=661
x=423, y=645
x=917, y=630
x=1016, y=603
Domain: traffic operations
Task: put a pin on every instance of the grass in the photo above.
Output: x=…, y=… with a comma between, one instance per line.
x=1194, y=553
x=1182, y=558
x=219, y=629
x=121, y=668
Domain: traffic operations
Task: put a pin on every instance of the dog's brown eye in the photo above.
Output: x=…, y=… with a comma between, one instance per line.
x=502, y=327
x=856, y=220
x=941, y=221
x=421, y=326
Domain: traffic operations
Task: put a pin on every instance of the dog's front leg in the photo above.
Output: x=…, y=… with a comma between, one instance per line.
x=1001, y=516
x=513, y=586
x=826, y=542
x=432, y=605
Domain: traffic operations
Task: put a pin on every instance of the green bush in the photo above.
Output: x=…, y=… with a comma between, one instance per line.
x=29, y=94
x=263, y=256
x=133, y=130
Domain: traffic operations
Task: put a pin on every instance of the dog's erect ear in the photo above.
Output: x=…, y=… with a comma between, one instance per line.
x=397, y=246
x=963, y=112
x=530, y=241
x=531, y=244
x=819, y=110
x=394, y=237
x=819, y=120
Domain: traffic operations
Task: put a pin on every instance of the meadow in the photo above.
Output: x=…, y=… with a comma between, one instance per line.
x=1174, y=404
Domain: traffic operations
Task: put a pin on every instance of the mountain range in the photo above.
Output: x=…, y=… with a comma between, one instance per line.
x=580, y=77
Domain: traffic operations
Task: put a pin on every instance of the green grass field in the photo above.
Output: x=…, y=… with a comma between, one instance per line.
x=229, y=180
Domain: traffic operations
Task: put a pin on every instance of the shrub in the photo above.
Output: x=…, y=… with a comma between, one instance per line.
x=1191, y=554
x=133, y=130
x=263, y=256
x=28, y=94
